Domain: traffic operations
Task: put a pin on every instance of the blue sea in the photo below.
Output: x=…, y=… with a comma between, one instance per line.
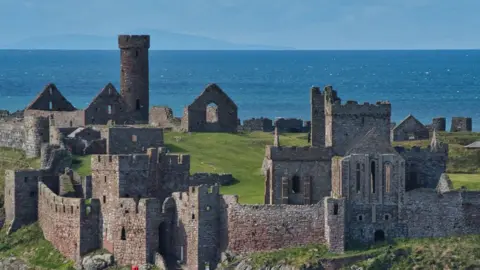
x=272, y=84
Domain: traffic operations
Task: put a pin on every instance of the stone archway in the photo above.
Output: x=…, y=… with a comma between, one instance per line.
x=379, y=236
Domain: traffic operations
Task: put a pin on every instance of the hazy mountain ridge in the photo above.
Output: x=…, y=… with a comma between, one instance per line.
x=160, y=40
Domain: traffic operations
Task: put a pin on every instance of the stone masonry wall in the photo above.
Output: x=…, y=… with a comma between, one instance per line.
x=60, y=219
x=126, y=140
x=21, y=195
x=461, y=124
x=107, y=106
x=128, y=230
x=163, y=117
x=439, y=124
x=289, y=124
x=195, y=115
x=12, y=134
x=60, y=118
x=258, y=124
x=134, y=75
x=431, y=214
x=254, y=228
x=423, y=166
x=312, y=167
x=409, y=129
x=37, y=132
x=346, y=123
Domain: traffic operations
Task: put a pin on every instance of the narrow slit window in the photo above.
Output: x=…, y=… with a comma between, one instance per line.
x=137, y=105
x=358, y=178
x=124, y=234
x=372, y=176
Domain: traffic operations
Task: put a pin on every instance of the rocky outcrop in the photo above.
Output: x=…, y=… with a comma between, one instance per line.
x=97, y=262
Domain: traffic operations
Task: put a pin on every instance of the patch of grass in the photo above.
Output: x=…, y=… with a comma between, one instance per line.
x=428, y=253
x=29, y=245
x=82, y=165
x=240, y=154
x=470, y=181
x=308, y=255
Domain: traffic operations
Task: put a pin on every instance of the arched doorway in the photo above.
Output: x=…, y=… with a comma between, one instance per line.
x=162, y=239
x=379, y=236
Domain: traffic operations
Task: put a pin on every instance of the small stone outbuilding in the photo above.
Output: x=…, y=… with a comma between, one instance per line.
x=409, y=129
x=212, y=111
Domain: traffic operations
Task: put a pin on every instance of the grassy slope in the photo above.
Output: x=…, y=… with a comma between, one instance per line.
x=427, y=253
x=29, y=245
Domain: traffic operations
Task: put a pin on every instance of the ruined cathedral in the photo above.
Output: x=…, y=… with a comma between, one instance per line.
x=142, y=203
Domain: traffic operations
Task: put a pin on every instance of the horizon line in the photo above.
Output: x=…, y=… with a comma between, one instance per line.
x=292, y=49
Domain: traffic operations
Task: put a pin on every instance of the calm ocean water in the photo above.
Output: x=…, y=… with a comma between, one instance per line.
x=262, y=83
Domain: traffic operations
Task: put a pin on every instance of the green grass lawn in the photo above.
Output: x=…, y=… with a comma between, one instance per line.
x=470, y=181
x=239, y=154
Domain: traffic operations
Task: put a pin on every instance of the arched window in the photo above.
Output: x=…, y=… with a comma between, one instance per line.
x=372, y=176
x=124, y=234
x=211, y=115
x=295, y=184
x=388, y=176
x=358, y=178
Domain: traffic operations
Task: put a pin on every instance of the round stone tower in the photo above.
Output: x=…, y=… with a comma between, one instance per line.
x=36, y=133
x=134, y=80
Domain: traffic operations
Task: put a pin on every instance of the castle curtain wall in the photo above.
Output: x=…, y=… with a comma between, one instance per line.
x=431, y=214
x=61, y=219
x=254, y=228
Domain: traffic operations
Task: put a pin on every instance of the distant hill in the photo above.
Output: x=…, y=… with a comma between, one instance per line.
x=160, y=40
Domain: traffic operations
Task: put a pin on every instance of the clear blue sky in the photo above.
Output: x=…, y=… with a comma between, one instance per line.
x=303, y=24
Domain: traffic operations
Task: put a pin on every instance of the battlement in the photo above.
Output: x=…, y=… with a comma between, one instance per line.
x=138, y=161
x=194, y=192
x=133, y=41
x=280, y=153
x=23, y=176
x=177, y=159
x=140, y=207
x=65, y=205
x=351, y=107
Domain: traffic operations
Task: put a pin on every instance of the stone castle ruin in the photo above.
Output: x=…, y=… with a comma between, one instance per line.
x=142, y=203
